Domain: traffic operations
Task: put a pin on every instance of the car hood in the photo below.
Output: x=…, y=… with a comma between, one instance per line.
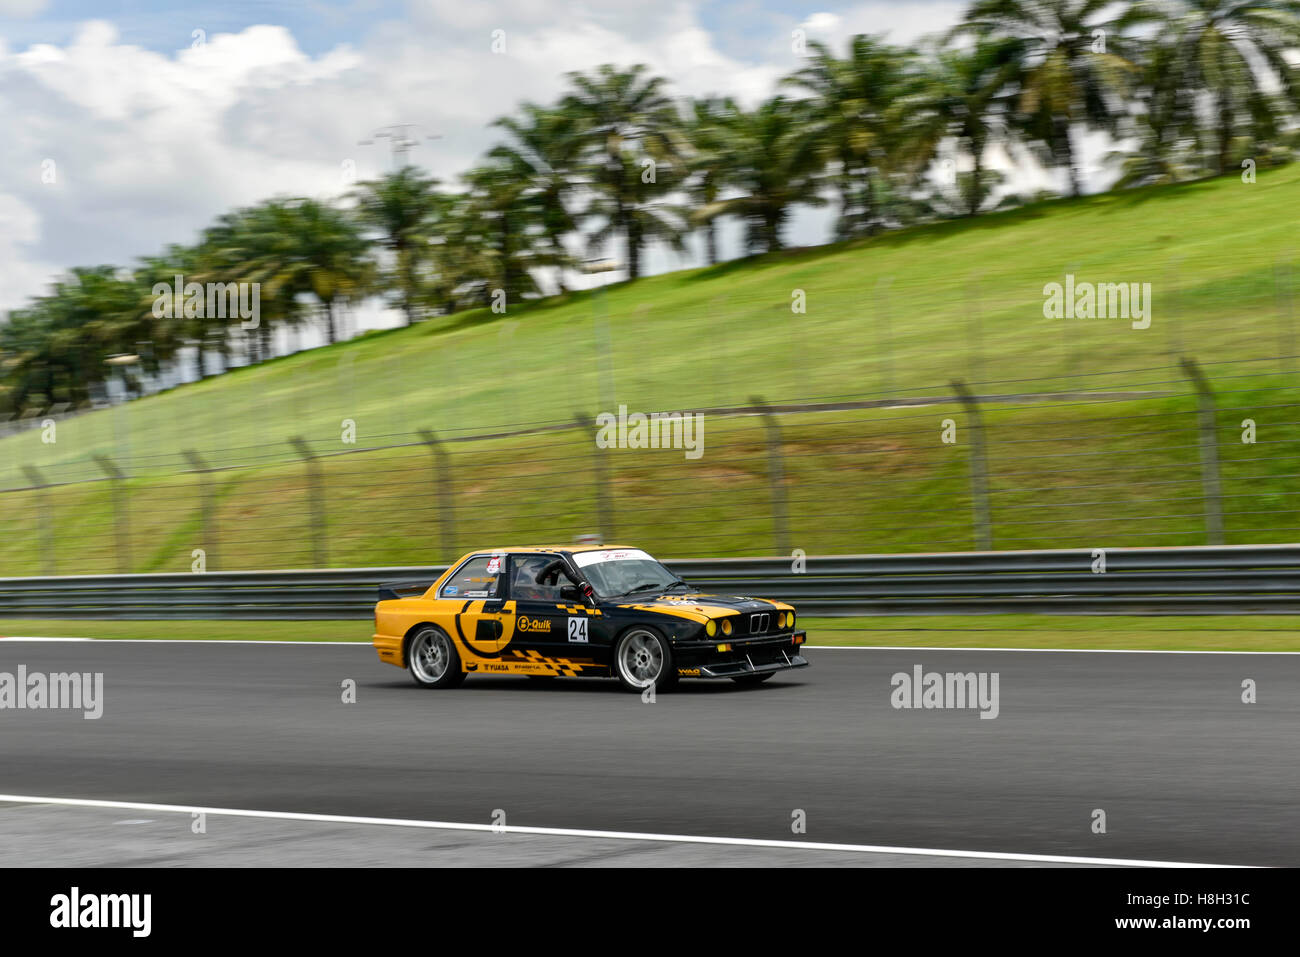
x=706, y=606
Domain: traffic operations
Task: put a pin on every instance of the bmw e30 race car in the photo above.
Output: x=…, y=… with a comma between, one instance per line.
x=579, y=611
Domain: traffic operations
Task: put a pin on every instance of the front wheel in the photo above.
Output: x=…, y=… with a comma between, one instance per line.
x=642, y=658
x=432, y=659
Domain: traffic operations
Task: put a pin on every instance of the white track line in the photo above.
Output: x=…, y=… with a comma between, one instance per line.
x=608, y=835
x=29, y=638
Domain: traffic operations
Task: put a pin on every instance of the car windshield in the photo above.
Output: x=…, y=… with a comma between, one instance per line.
x=616, y=573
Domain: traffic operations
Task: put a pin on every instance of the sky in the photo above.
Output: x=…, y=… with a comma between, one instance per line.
x=132, y=125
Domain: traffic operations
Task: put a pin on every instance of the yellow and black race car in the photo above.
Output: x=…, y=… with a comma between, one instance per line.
x=579, y=611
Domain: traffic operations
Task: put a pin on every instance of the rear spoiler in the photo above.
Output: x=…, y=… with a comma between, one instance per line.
x=406, y=589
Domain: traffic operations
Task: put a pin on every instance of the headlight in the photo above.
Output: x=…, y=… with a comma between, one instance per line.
x=789, y=618
x=710, y=627
x=726, y=626
x=780, y=620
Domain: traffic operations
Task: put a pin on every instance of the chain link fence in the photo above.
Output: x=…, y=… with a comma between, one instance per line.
x=1172, y=455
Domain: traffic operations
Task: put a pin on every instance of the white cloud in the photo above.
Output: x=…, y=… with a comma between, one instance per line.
x=150, y=147
x=20, y=9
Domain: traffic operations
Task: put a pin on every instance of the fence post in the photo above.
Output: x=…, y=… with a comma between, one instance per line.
x=974, y=328
x=979, y=468
x=885, y=334
x=1286, y=314
x=207, y=508
x=316, y=500
x=775, y=477
x=442, y=491
x=1207, y=418
x=46, y=519
x=600, y=471
x=121, y=520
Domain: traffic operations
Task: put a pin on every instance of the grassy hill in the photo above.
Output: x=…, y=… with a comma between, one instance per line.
x=895, y=316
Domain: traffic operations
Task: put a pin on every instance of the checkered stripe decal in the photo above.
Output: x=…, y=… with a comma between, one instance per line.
x=560, y=666
x=580, y=609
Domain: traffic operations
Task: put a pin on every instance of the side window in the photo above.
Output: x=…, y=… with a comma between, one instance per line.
x=479, y=577
x=536, y=578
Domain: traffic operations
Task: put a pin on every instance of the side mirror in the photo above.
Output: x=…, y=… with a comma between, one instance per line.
x=570, y=593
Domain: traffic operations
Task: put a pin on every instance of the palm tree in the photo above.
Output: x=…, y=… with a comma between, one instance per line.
x=644, y=209
x=403, y=208
x=1063, y=82
x=56, y=345
x=963, y=97
x=545, y=152
x=624, y=119
x=852, y=123
x=499, y=234
x=1234, y=52
x=709, y=131
x=304, y=247
x=1163, y=119
x=773, y=165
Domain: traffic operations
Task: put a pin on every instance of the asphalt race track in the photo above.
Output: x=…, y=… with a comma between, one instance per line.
x=1162, y=743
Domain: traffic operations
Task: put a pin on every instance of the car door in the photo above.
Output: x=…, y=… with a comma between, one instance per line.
x=485, y=621
x=546, y=622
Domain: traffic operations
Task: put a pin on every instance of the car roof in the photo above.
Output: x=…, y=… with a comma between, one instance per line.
x=544, y=549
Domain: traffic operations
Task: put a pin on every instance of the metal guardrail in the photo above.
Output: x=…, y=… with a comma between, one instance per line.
x=1246, y=579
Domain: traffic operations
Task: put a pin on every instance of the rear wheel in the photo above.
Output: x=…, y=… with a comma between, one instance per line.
x=746, y=680
x=432, y=659
x=642, y=658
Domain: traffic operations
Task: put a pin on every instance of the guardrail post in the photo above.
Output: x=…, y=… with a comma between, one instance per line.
x=443, y=492
x=207, y=508
x=316, y=502
x=45, y=518
x=979, y=468
x=1208, y=439
x=775, y=477
x=600, y=471
x=121, y=519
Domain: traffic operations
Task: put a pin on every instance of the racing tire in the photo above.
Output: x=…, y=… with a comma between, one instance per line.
x=746, y=681
x=432, y=659
x=642, y=658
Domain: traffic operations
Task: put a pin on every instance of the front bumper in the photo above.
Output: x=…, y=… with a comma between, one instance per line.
x=753, y=656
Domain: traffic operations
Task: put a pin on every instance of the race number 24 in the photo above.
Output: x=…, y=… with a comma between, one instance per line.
x=578, y=629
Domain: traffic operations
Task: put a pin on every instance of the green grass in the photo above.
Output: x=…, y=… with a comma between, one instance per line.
x=709, y=337
x=1068, y=474
x=1208, y=633
x=1064, y=474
